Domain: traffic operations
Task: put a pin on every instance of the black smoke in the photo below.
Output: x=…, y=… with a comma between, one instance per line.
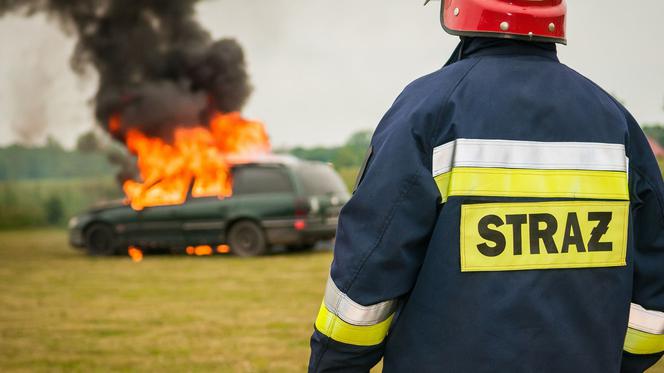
x=158, y=68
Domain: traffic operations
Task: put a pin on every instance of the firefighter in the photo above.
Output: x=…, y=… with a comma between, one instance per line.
x=509, y=217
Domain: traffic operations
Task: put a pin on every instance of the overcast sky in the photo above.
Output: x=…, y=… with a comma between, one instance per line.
x=325, y=69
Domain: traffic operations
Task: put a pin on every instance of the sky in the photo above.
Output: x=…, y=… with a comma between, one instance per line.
x=322, y=70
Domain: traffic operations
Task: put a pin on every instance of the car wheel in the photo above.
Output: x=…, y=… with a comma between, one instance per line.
x=99, y=240
x=246, y=239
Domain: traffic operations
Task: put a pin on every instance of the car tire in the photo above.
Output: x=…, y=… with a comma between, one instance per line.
x=100, y=240
x=247, y=239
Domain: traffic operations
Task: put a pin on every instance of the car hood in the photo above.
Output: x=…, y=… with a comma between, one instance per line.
x=107, y=205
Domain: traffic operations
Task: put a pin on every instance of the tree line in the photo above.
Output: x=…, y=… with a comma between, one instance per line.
x=655, y=132
x=45, y=185
x=89, y=159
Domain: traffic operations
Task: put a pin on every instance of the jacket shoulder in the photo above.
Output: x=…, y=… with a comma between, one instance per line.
x=632, y=126
x=442, y=82
x=419, y=108
x=608, y=99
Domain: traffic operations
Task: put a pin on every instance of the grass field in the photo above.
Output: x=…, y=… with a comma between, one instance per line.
x=63, y=311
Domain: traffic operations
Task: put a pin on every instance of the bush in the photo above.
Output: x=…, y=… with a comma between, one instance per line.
x=38, y=203
x=54, y=210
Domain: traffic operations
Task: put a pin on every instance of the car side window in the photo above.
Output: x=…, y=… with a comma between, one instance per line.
x=261, y=180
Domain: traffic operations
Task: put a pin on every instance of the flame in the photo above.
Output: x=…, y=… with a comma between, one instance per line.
x=223, y=249
x=115, y=124
x=199, y=155
x=202, y=250
x=135, y=253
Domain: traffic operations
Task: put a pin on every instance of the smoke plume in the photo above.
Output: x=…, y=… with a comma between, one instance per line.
x=29, y=111
x=157, y=66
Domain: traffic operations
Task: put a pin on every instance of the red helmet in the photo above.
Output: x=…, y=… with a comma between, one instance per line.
x=533, y=20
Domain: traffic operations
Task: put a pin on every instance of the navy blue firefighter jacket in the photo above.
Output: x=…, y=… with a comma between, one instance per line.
x=509, y=219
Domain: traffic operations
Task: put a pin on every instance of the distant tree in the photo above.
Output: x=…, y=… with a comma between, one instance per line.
x=319, y=153
x=54, y=210
x=655, y=131
x=346, y=156
x=20, y=162
x=88, y=142
x=360, y=139
x=350, y=154
x=52, y=143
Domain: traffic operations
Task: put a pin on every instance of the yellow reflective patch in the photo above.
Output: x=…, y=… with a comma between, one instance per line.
x=503, y=182
x=543, y=235
x=443, y=183
x=642, y=343
x=341, y=331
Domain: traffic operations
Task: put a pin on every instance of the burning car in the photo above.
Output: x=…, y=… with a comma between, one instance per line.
x=277, y=200
x=211, y=186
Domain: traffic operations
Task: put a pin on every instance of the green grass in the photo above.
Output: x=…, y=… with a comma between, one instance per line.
x=63, y=311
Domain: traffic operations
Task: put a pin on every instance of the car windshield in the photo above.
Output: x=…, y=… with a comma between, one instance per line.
x=320, y=179
x=261, y=180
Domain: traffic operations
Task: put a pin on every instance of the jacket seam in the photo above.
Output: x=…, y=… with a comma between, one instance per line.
x=449, y=95
x=386, y=224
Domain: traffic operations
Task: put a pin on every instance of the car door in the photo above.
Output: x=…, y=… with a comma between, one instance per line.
x=160, y=227
x=204, y=220
x=265, y=193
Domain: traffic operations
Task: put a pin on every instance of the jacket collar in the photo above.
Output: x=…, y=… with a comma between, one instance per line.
x=470, y=47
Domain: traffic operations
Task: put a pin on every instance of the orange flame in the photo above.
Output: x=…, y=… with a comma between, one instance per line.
x=202, y=250
x=115, y=124
x=198, y=155
x=135, y=253
x=223, y=249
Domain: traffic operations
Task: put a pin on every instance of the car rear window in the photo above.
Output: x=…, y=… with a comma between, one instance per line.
x=260, y=180
x=320, y=179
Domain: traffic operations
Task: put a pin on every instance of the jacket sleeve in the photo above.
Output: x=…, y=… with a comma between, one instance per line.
x=644, y=341
x=382, y=237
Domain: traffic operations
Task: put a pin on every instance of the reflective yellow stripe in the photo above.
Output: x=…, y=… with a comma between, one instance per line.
x=339, y=330
x=443, y=182
x=642, y=343
x=503, y=182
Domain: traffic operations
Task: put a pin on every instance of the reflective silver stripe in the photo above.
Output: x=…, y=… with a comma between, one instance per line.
x=353, y=313
x=443, y=158
x=646, y=320
x=529, y=155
